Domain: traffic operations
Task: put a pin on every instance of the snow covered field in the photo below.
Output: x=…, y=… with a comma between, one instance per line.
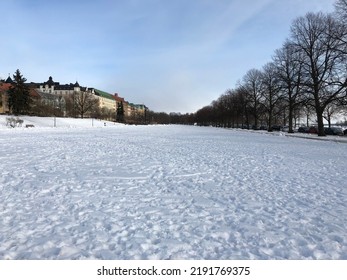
x=169, y=192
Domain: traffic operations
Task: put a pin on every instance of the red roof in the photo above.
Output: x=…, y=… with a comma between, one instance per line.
x=4, y=87
x=117, y=98
x=33, y=93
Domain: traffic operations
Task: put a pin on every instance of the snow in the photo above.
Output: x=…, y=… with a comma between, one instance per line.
x=168, y=192
x=56, y=122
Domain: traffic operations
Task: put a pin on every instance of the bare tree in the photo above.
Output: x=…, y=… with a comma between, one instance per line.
x=289, y=70
x=340, y=32
x=341, y=9
x=331, y=110
x=241, y=108
x=324, y=65
x=84, y=103
x=205, y=116
x=236, y=107
x=107, y=114
x=224, y=108
x=271, y=91
x=251, y=86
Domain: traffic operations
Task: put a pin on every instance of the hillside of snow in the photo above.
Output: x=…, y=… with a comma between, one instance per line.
x=169, y=192
x=52, y=122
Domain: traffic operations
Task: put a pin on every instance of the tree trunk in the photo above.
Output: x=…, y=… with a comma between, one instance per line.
x=290, y=121
x=270, y=121
x=321, y=131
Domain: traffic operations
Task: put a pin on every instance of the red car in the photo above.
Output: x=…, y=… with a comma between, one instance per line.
x=313, y=130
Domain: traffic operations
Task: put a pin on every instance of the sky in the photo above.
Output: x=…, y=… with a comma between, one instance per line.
x=172, y=56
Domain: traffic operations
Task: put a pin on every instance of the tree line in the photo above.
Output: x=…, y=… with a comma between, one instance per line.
x=307, y=75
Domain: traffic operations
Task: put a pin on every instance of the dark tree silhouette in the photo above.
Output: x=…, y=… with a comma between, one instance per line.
x=19, y=95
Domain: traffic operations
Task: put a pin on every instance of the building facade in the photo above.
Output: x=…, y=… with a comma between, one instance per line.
x=106, y=100
x=4, y=87
x=61, y=97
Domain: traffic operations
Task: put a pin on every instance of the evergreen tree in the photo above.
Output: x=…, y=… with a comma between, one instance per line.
x=120, y=112
x=18, y=95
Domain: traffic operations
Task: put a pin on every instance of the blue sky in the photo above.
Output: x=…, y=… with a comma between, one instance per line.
x=173, y=56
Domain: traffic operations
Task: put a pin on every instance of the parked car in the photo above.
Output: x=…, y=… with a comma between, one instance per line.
x=345, y=132
x=285, y=128
x=276, y=127
x=328, y=131
x=313, y=130
x=303, y=129
x=333, y=131
x=338, y=131
x=255, y=127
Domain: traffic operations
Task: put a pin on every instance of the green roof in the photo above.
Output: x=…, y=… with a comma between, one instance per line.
x=139, y=106
x=104, y=94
